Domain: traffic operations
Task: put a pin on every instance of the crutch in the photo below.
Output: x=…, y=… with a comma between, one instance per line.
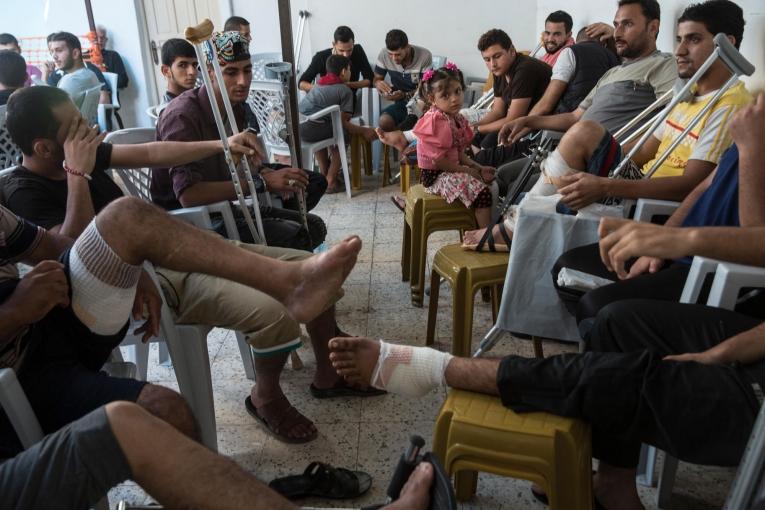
x=737, y=65
x=198, y=36
x=301, y=26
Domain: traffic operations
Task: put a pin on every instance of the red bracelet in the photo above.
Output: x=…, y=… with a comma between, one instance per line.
x=75, y=172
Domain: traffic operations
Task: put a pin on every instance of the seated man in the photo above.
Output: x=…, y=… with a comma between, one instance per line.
x=582, y=165
x=720, y=199
x=9, y=42
x=331, y=90
x=712, y=359
x=62, y=319
x=179, y=66
x=41, y=191
x=80, y=463
x=556, y=36
x=343, y=44
x=519, y=82
x=189, y=118
x=13, y=74
x=74, y=77
x=405, y=63
x=112, y=60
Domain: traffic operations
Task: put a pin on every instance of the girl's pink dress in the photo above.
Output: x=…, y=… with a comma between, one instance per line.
x=444, y=136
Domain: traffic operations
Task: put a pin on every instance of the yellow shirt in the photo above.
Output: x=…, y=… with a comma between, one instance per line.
x=709, y=137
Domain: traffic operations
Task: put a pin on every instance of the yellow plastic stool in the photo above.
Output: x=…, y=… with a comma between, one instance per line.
x=475, y=432
x=466, y=271
x=410, y=175
x=424, y=214
x=361, y=149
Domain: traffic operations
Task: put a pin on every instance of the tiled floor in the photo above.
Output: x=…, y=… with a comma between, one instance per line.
x=370, y=434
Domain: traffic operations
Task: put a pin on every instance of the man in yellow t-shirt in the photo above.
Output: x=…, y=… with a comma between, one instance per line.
x=590, y=153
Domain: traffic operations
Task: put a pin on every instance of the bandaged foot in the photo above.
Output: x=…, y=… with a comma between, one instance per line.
x=401, y=369
x=553, y=168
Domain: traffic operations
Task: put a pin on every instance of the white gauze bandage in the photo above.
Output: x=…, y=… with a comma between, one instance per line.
x=103, y=285
x=409, y=371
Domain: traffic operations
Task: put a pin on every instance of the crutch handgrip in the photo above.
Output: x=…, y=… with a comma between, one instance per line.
x=732, y=57
x=199, y=33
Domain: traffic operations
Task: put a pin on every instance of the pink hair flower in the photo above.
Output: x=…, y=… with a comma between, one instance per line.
x=452, y=66
x=427, y=75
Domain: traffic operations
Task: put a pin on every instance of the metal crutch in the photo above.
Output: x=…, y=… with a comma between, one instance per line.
x=737, y=64
x=198, y=36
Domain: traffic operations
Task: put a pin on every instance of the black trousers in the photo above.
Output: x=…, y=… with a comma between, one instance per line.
x=698, y=413
x=497, y=155
x=284, y=228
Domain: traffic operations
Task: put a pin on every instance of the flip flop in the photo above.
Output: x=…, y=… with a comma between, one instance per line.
x=343, y=390
x=396, y=202
x=273, y=429
x=488, y=240
x=324, y=481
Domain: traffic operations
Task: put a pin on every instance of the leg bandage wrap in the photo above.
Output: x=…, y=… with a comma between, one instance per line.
x=103, y=285
x=410, y=371
x=553, y=167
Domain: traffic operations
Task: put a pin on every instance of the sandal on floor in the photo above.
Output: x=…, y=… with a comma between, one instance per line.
x=324, y=481
x=487, y=241
x=398, y=202
x=343, y=390
x=273, y=428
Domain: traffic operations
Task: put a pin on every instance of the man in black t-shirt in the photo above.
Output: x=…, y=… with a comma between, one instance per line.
x=519, y=82
x=343, y=44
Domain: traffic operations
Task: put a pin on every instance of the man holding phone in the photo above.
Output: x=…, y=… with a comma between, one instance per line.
x=405, y=64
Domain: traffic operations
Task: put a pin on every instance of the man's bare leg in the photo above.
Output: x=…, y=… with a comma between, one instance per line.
x=321, y=330
x=579, y=143
x=322, y=158
x=182, y=474
x=138, y=231
x=171, y=407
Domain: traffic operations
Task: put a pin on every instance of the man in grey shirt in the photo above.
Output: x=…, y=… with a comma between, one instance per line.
x=66, y=51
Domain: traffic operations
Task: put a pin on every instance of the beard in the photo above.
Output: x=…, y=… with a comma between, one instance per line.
x=551, y=47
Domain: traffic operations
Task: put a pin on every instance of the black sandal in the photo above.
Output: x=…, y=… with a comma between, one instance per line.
x=324, y=481
x=488, y=239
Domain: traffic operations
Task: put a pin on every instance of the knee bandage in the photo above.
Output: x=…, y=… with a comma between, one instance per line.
x=409, y=371
x=103, y=285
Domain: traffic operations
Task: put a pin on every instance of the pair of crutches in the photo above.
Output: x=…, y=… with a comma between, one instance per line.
x=733, y=60
x=199, y=36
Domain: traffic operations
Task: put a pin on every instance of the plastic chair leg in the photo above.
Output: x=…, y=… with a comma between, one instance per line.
x=435, y=280
x=406, y=253
x=666, y=480
x=465, y=484
x=164, y=355
x=646, y=465
x=247, y=358
x=139, y=355
x=355, y=163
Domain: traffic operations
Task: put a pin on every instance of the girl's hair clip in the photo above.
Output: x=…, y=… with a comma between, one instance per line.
x=427, y=75
x=452, y=67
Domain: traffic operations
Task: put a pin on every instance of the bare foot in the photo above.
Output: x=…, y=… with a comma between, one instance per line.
x=354, y=358
x=415, y=495
x=282, y=418
x=395, y=139
x=319, y=278
x=473, y=236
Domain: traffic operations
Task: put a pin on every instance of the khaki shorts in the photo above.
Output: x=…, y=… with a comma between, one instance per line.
x=197, y=298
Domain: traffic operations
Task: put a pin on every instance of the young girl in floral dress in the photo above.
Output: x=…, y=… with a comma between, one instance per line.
x=443, y=135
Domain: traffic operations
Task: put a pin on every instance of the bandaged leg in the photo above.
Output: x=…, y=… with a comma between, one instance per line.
x=553, y=167
x=103, y=285
x=409, y=371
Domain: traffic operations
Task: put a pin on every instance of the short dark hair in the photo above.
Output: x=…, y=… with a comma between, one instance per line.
x=495, y=36
x=174, y=48
x=29, y=115
x=343, y=34
x=71, y=40
x=561, y=17
x=13, y=69
x=650, y=8
x=718, y=16
x=396, y=39
x=336, y=64
x=233, y=23
x=8, y=39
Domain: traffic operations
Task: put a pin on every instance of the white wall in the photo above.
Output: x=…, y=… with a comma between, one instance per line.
x=28, y=18
x=585, y=12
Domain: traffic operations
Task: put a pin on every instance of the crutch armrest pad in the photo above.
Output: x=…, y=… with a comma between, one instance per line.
x=199, y=33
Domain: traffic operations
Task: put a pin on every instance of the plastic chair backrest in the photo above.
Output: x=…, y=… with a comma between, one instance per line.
x=111, y=79
x=137, y=181
x=10, y=154
x=265, y=99
x=16, y=406
x=89, y=106
x=438, y=61
x=259, y=61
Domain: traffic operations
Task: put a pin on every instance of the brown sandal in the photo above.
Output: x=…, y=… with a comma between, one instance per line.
x=288, y=419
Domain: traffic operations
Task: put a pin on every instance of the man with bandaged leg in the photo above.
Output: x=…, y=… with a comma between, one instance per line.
x=712, y=359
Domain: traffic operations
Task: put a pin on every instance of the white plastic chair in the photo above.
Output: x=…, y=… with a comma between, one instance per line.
x=259, y=61
x=308, y=150
x=10, y=154
x=89, y=105
x=14, y=402
x=438, y=61
x=105, y=110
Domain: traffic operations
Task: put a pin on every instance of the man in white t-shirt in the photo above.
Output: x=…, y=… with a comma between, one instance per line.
x=66, y=51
